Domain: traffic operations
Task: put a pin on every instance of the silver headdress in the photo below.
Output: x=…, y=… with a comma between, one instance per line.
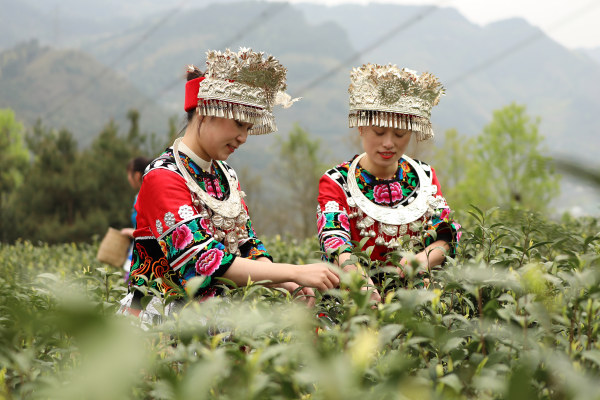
x=243, y=86
x=385, y=96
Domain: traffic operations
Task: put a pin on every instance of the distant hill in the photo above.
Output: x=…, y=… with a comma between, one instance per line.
x=46, y=22
x=34, y=80
x=557, y=84
x=307, y=50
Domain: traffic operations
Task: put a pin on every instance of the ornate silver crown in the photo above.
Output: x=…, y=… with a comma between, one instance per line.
x=244, y=86
x=386, y=96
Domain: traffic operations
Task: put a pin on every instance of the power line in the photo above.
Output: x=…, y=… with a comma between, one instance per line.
x=267, y=13
x=118, y=59
x=524, y=43
x=381, y=40
x=262, y=17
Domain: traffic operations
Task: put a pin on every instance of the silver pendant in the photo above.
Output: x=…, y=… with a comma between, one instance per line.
x=367, y=222
x=390, y=230
x=218, y=220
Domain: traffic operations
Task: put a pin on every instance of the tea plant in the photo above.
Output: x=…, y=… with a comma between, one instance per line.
x=513, y=316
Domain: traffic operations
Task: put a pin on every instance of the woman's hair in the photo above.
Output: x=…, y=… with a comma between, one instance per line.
x=196, y=73
x=138, y=164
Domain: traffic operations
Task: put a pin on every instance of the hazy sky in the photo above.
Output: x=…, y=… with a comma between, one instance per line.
x=578, y=20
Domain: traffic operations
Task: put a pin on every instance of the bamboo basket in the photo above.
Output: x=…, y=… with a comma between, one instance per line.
x=114, y=248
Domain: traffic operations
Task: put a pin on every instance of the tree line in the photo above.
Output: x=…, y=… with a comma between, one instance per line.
x=53, y=191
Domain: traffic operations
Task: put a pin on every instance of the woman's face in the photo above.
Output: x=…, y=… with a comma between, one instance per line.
x=384, y=146
x=218, y=137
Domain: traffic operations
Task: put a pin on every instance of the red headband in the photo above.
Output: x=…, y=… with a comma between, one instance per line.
x=191, y=93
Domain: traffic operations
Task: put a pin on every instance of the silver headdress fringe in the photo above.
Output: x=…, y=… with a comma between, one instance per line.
x=244, y=86
x=263, y=120
x=387, y=96
x=421, y=126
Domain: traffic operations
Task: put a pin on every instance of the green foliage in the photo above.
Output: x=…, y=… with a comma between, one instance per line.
x=13, y=155
x=514, y=315
x=299, y=167
x=70, y=194
x=13, y=158
x=504, y=165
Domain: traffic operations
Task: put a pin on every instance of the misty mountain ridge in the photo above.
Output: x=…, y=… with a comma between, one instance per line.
x=35, y=81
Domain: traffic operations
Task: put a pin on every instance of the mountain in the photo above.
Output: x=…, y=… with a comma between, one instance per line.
x=556, y=84
x=35, y=81
x=48, y=23
x=307, y=50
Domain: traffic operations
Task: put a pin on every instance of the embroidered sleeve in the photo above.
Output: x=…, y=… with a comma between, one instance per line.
x=446, y=228
x=333, y=224
x=181, y=233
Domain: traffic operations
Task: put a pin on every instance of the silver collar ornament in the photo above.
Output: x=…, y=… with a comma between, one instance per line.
x=227, y=217
x=393, y=222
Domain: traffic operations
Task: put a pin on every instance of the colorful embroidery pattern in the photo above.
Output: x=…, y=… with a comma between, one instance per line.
x=185, y=248
x=336, y=229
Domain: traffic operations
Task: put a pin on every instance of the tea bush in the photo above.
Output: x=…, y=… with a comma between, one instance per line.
x=513, y=316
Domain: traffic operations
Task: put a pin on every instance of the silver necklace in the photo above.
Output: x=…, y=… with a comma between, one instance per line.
x=229, y=217
x=387, y=215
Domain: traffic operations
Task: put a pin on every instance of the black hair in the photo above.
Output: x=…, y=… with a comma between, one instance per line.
x=138, y=164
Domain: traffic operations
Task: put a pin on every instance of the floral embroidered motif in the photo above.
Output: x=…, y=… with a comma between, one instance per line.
x=205, y=224
x=182, y=236
x=163, y=247
x=169, y=219
x=209, y=262
x=185, y=212
x=209, y=187
x=445, y=215
x=159, y=227
x=332, y=206
x=321, y=223
x=344, y=221
x=457, y=226
x=334, y=242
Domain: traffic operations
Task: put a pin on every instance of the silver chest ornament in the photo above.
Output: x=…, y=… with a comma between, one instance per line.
x=393, y=222
x=228, y=219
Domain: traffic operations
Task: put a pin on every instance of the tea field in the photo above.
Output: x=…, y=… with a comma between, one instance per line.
x=515, y=315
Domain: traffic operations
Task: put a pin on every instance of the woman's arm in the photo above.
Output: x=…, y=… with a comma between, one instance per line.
x=431, y=257
x=312, y=275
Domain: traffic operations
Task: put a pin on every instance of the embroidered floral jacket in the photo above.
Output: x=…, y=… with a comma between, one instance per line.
x=172, y=240
x=336, y=229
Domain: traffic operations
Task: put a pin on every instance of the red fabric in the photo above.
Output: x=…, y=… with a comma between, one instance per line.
x=162, y=192
x=191, y=93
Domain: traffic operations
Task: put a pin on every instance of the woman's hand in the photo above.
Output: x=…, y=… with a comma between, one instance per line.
x=128, y=232
x=315, y=276
x=375, y=296
x=304, y=295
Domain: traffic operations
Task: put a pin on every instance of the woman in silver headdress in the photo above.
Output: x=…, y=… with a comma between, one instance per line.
x=383, y=195
x=191, y=216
